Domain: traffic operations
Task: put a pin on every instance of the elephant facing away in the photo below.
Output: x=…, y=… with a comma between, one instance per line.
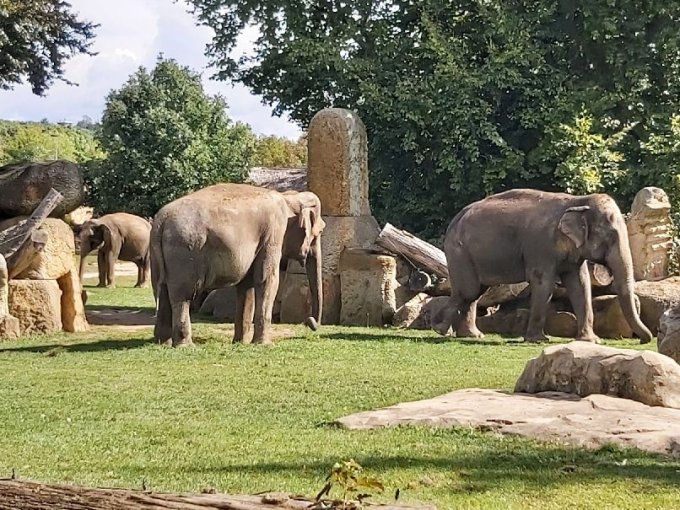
x=118, y=236
x=534, y=236
x=232, y=234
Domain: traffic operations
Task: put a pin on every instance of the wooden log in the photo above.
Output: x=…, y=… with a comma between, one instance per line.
x=24, y=495
x=600, y=276
x=420, y=253
x=14, y=238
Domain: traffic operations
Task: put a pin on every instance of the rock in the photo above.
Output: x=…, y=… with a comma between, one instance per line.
x=590, y=422
x=9, y=325
x=511, y=322
x=669, y=333
x=584, y=368
x=402, y=295
x=79, y=215
x=368, y=282
x=649, y=232
x=73, y=316
x=24, y=185
x=56, y=258
x=37, y=305
x=609, y=321
x=10, y=328
x=340, y=233
x=409, y=315
x=296, y=298
x=338, y=162
x=220, y=304
x=655, y=298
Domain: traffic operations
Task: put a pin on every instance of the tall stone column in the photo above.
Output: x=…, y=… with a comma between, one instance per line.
x=649, y=233
x=338, y=174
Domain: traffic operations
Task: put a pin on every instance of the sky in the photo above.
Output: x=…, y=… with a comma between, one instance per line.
x=133, y=33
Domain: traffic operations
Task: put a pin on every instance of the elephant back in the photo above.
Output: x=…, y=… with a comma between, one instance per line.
x=24, y=185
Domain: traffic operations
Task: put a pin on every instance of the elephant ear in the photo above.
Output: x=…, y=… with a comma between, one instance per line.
x=311, y=222
x=100, y=233
x=574, y=225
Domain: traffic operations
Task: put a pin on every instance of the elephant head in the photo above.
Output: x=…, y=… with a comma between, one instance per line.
x=303, y=243
x=596, y=231
x=91, y=235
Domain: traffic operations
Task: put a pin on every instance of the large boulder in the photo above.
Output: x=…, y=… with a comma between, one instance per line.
x=37, y=305
x=584, y=368
x=669, y=333
x=56, y=258
x=23, y=186
x=609, y=321
x=368, y=284
x=655, y=298
x=220, y=304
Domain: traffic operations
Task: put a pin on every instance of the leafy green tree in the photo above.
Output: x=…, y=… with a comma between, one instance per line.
x=276, y=151
x=164, y=137
x=32, y=141
x=36, y=38
x=462, y=98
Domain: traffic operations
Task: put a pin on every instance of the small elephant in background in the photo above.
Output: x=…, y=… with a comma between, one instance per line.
x=535, y=236
x=117, y=236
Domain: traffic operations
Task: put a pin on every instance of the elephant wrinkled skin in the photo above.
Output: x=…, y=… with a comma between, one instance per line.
x=528, y=235
x=118, y=236
x=232, y=234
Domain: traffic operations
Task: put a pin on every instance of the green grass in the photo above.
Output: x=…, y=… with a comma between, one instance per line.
x=110, y=408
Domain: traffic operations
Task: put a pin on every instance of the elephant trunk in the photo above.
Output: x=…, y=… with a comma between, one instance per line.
x=314, y=275
x=620, y=262
x=81, y=270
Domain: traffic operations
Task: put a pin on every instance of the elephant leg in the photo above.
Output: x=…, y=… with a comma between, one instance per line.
x=245, y=310
x=542, y=286
x=577, y=284
x=163, y=328
x=181, y=323
x=111, y=258
x=143, y=269
x=101, y=268
x=467, y=328
x=266, y=286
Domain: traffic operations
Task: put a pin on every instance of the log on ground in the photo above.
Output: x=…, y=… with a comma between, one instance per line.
x=26, y=495
x=420, y=253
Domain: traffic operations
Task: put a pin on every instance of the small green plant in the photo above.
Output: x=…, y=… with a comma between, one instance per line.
x=347, y=476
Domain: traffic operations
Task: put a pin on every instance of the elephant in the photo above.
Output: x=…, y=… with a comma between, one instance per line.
x=118, y=236
x=535, y=236
x=233, y=235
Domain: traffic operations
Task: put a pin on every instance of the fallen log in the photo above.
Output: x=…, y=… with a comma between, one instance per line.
x=24, y=495
x=13, y=240
x=419, y=253
x=600, y=276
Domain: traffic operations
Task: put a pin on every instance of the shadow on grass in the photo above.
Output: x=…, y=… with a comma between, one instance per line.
x=535, y=466
x=387, y=334
x=97, y=346
x=105, y=315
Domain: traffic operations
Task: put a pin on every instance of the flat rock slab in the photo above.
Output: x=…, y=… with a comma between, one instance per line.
x=589, y=422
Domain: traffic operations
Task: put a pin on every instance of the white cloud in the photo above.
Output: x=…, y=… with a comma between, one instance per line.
x=133, y=33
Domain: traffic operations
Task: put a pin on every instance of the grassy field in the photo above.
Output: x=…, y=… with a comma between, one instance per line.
x=110, y=408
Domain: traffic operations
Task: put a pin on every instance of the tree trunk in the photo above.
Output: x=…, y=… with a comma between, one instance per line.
x=14, y=238
x=418, y=252
x=21, y=495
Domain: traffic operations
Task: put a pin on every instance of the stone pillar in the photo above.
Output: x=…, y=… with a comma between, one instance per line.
x=649, y=232
x=9, y=325
x=369, y=281
x=338, y=174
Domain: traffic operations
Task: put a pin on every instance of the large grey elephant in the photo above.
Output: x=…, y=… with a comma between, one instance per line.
x=528, y=235
x=118, y=236
x=232, y=234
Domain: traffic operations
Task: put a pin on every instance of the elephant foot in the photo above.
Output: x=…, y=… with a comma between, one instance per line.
x=469, y=333
x=141, y=285
x=164, y=343
x=442, y=328
x=645, y=340
x=102, y=285
x=591, y=337
x=535, y=339
x=183, y=343
x=263, y=341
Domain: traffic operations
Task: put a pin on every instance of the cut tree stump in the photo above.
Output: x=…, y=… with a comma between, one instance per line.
x=24, y=495
x=418, y=252
x=600, y=276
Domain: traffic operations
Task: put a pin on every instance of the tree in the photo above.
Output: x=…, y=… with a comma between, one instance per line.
x=36, y=38
x=275, y=151
x=164, y=137
x=462, y=98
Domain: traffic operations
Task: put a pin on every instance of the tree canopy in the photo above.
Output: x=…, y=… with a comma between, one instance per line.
x=462, y=98
x=276, y=151
x=36, y=38
x=164, y=137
